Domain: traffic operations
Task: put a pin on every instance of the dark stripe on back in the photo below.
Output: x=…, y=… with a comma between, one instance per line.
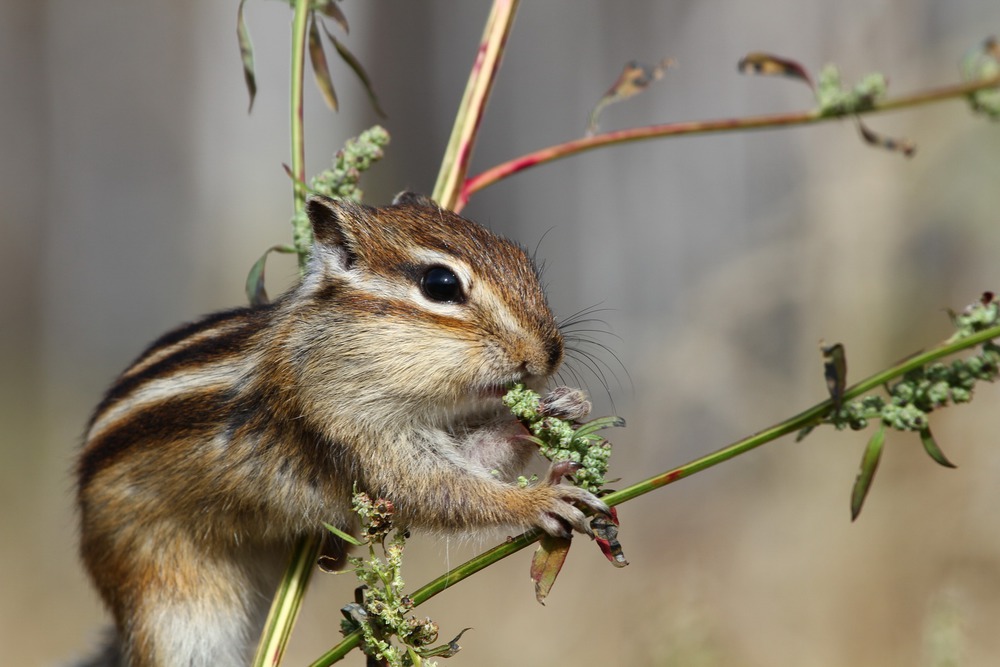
x=155, y=425
x=212, y=348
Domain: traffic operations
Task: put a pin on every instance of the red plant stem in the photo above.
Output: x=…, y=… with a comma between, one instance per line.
x=559, y=151
x=455, y=164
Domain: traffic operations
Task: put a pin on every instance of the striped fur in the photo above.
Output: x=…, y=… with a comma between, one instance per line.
x=230, y=437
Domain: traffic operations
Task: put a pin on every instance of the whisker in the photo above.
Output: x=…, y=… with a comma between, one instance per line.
x=607, y=349
x=585, y=312
x=588, y=361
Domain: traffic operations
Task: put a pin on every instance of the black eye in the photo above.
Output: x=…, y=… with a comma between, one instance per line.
x=439, y=283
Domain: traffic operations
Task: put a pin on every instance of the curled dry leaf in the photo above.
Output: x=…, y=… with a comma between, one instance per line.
x=547, y=562
x=767, y=64
x=321, y=70
x=634, y=79
x=606, y=535
x=835, y=371
x=358, y=70
x=872, y=138
x=246, y=54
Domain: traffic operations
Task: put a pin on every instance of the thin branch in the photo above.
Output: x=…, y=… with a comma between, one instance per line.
x=809, y=417
x=455, y=163
x=576, y=146
x=288, y=599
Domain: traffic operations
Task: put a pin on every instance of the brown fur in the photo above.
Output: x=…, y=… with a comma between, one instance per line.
x=231, y=437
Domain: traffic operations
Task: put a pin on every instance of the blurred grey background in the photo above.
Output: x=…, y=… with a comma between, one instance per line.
x=135, y=192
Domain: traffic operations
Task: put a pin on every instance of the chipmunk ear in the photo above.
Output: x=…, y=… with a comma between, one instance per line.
x=330, y=219
x=414, y=199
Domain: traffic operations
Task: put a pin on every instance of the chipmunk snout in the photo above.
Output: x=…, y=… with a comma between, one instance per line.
x=541, y=359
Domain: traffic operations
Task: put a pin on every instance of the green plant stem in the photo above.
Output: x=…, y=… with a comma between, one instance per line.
x=559, y=151
x=287, y=602
x=299, y=27
x=809, y=417
x=455, y=163
x=288, y=598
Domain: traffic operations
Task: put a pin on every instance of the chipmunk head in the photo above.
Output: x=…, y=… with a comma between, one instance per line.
x=437, y=305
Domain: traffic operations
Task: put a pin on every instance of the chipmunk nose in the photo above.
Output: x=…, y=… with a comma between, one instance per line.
x=555, y=351
x=544, y=359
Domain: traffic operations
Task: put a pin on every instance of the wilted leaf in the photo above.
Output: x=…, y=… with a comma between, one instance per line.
x=904, y=146
x=634, y=79
x=321, y=70
x=448, y=650
x=256, y=294
x=767, y=64
x=801, y=435
x=246, y=54
x=606, y=536
x=869, y=464
x=932, y=449
x=358, y=70
x=835, y=371
x=330, y=9
x=547, y=562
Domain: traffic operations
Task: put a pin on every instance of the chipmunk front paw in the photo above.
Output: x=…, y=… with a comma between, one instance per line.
x=561, y=511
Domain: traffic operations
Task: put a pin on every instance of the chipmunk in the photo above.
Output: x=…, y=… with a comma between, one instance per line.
x=229, y=438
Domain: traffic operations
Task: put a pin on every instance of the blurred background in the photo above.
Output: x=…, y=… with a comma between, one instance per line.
x=135, y=193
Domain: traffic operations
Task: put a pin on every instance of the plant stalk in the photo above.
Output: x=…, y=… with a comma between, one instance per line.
x=583, y=144
x=455, y=163
x=291, y=591
x=809, y=417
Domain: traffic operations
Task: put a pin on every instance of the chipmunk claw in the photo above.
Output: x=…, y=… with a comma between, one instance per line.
x=564, y=513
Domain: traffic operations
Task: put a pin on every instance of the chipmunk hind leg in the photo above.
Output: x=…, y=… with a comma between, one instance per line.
x=197, y=608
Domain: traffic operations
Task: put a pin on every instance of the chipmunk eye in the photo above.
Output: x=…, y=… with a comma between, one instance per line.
x=439, y=283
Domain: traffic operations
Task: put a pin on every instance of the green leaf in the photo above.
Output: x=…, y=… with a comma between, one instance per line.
x=256, y=294
x=321, y=70
x=599, y=424
x=347, y=537
x=932, y=449
x=358, y=70
x=869, y=464
x=547, y=562
x=246, y=54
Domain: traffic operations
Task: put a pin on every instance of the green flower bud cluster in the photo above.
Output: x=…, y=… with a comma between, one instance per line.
x=341, y=181
x=382, y=610
x=559, y=440
x=357, y=156
x=834, y=100
x=983, y=63
x=937, y=385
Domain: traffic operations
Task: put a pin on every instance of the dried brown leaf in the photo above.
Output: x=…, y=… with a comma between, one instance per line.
x=321, y=70
x=634, y=78
x=547, y=562
x=835, y=371
x=358, y=70
x=767, y=64
x=606, y=535
x=904, y=146
x=246, y=54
